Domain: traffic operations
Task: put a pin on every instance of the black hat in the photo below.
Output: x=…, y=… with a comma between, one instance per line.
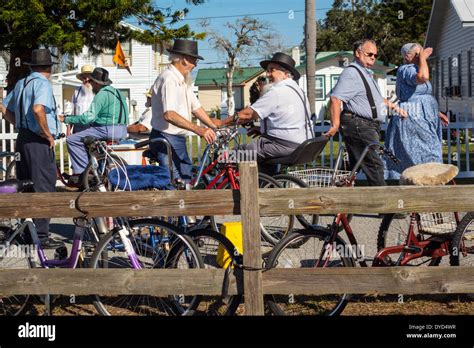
x=40, y=57
x=187, y=47
x=283, y=60
x=101, y=76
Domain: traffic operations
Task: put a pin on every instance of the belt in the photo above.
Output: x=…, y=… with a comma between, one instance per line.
x=351, y=114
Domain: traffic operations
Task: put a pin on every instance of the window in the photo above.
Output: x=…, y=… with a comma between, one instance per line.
x=469, y=73
x=450, y=71
x=160, y=61
x=442, y=78
x=334, y=79
x=460, y=74
x=238, y=99
x=108, y=55
x=320, y=84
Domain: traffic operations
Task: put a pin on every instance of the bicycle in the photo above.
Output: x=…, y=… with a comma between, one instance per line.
x=9, y=172
x=322, y=246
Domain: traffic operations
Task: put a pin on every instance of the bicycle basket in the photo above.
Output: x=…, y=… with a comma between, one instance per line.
x=437, y=223
x=320, y=177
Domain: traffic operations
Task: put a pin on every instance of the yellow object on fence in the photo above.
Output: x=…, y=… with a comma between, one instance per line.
x=233, y=232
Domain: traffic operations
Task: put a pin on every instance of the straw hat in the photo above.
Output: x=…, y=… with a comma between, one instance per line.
x=85, y=70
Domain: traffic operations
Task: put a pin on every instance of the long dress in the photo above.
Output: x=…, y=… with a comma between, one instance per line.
x=418, y=138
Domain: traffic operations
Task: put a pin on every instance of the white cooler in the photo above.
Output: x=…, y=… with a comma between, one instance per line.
x=127, y=151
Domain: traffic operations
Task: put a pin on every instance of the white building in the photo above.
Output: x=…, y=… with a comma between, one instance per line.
x=451, y=34
x=146, y=63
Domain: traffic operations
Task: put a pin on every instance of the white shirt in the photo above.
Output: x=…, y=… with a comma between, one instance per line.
x=283, y=113
x=81, y=100
x=145, y=118
x=171, y=93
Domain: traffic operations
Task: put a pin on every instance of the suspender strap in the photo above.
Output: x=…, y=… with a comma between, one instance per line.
x=307, y=118
x=122, y=107
x=370, y=97
x=22, y=113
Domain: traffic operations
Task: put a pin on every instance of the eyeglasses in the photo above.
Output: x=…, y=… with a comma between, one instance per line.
x=192, y=60
x=270, y=70
x=370, y=54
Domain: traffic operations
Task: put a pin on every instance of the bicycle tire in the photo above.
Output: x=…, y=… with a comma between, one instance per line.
x=15, y=305
x=392, y=232
x=462, y=244
x=172, y=246
x=208, y=243
x=286, y=255
x=88, y=181
x=11, y=170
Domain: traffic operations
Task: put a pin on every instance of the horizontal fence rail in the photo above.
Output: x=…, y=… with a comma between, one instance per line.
x=388, y=199
x=310, y=281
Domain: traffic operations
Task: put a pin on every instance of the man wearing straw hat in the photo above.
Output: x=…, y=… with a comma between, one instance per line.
x=107, y=117
x=32, y=108
x=83, y=95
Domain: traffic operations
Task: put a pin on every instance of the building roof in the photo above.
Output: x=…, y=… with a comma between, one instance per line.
x=464, y=11
x=217, y=76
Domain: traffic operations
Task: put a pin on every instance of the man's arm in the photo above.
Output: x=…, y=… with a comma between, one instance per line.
x=176, y=120
x=396, y=108
x=9, y=116
x=137, y=128
x=335, y=116
x=40, y=117
x=243, y=116
x=202, y=115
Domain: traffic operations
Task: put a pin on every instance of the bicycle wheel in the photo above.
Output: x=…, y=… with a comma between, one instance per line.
x=285, y=255
x=11, y=170
x=394, y=231
x=462, y=244
x=105, y=164
x=211, y=245
x=15, y=255
x=157, y=245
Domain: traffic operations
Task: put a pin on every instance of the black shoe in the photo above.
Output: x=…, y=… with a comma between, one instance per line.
x=50, y=243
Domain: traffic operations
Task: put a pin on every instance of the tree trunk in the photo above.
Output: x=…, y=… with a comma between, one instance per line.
x=310, y=43
x=230, y=94
x=17, y=68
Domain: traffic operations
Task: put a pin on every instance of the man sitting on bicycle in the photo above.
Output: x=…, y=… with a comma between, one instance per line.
x=173, y=105
x=107, y=117
x=283, y=112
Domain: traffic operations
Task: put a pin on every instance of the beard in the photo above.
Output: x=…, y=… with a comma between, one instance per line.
x=188, y=79
x=87, y=87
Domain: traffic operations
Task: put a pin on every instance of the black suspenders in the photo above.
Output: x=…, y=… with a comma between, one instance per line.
x=22, y=114
x=122, y=107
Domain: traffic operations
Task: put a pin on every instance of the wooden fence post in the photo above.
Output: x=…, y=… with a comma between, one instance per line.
x=249, y=209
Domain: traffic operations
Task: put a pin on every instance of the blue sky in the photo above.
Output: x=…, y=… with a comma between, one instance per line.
x=277, y=12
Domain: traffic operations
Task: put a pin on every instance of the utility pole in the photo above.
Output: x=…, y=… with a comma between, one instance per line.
x=310, y=43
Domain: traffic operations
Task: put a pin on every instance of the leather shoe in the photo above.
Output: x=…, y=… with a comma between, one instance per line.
x=50, y=243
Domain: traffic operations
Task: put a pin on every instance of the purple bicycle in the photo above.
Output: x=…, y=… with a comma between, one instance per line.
x=134, y=244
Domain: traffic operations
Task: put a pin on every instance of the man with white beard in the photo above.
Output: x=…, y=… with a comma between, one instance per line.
x=173, y=103
x=83, y=95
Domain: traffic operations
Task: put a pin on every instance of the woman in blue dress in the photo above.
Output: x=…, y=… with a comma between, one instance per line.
x=417, y=138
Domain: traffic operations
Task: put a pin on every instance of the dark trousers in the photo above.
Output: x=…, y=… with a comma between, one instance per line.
x=358, y=133
x=182, y=164
x=37, y=163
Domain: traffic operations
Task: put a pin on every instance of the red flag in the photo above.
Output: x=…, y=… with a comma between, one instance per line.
x=120, y=58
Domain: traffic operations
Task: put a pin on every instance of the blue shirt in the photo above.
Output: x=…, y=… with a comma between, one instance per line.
x=283, y=113
x=37, y=91
x=351, y=90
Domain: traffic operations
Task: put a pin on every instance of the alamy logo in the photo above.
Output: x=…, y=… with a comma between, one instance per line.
x=37, y=331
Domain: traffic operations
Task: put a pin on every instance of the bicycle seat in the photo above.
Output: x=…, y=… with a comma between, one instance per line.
x=148, y=154
x=88, y=140
x=133, y=178
x=15, y=186
x=431, y=173
x=304, y=153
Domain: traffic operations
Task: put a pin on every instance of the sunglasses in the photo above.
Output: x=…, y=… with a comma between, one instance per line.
x=370, y=54
x=270, y=70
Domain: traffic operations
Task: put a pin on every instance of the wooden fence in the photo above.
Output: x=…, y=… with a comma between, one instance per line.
x=249, y=203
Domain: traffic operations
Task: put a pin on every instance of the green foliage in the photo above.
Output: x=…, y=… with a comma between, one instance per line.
x=69, y=25
x=390, y=23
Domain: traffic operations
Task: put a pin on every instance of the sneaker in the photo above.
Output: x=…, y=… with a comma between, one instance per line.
x=50, y=243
